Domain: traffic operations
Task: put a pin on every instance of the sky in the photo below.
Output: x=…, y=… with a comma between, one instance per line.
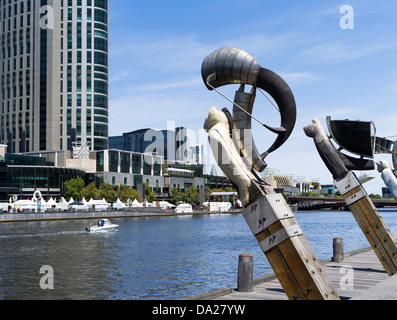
x=156, y=49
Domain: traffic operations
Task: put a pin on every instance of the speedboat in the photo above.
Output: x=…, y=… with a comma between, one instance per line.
x=103, y=225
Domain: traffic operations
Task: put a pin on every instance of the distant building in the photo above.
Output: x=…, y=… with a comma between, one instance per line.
x=218, y=182
x=173, y=145
x=329, y=189
x=128, y=168
x=386, y=193
x=54, y=69
x=198, y=155
x=22, y=175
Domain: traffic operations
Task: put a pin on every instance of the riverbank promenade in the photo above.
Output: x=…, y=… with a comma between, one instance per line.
x=110, y=214
x=360, y=276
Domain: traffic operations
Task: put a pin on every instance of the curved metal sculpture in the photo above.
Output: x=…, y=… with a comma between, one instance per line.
x=356, y=198
x=266, y=212
x=231, y=65
x=388, y=176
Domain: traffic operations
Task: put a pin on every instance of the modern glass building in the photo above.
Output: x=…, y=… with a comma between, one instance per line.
x=170, y=144
x=22, y=175
x=129, y=168
x=54, y=74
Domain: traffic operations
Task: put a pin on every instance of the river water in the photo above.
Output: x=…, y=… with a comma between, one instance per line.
x=149, y=258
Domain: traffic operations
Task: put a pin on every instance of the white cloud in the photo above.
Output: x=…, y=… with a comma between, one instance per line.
x=339, y=51
x=296, y=78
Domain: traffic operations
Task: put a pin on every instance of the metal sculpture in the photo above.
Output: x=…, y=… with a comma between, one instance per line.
x=388, y=177
x=231, y=65
x=267, y=214
x=355, y=196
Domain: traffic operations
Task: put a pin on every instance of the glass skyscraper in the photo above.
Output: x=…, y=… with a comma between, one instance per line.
x=54, y=74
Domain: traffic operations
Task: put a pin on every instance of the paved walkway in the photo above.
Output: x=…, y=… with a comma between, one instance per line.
x=359, y=276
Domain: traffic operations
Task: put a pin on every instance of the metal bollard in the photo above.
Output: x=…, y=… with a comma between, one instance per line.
x=245, y=273
x=338, y=251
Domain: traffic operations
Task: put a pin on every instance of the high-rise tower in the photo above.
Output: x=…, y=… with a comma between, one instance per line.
x=54, y=74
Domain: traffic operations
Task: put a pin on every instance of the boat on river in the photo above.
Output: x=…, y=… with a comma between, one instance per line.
x=103, y=225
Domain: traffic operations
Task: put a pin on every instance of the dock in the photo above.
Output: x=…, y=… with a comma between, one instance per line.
x=360, y=276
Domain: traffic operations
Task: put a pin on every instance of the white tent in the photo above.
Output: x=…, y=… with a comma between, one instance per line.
x=63, y=200
x=51, y=202
x=118, y=205
x=165, y=204
x=100, y=204
x=136, y=203
x=25, y=204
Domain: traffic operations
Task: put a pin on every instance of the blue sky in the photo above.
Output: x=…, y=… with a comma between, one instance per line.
x=157, y=47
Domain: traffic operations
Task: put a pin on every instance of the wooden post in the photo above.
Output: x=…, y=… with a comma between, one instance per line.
x=338, y=250
x=367, y=216
x=370, y=221
x=245, y=282
x=286, y=247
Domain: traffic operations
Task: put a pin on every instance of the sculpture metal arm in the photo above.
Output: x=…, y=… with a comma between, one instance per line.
x=226, y=154
x=330, y=155
x=388, y=176
x=337, y=163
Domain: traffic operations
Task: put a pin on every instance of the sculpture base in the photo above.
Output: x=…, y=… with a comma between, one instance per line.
x=286, y=247
x=370, y=221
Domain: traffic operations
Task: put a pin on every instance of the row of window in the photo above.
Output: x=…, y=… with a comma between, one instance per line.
x=135, y=164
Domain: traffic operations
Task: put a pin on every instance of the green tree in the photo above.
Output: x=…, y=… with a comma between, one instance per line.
x=107, y=192
x=90, y=191
x=124, y=193
x=193, y=195
x=74, y=188
x=177, y=196
x=134, y=194
x=150, y=196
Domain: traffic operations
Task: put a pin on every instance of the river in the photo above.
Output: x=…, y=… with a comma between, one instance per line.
x=149, y=258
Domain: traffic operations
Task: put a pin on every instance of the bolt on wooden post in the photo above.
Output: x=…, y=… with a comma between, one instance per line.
x=370, y=221
x=287, y=249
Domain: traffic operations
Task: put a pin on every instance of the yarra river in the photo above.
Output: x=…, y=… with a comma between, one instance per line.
x=150, y=258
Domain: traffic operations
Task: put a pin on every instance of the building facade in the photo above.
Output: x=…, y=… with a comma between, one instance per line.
x=54, y=74
x=173, y=145
x=131, y=169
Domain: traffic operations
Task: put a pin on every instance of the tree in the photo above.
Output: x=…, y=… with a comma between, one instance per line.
x=124, y=193
x=107, y=192
x=134, y=194
x=176, y=196
x=193, y=195
x=90, y=191
x=74, y=188
x=150, y=196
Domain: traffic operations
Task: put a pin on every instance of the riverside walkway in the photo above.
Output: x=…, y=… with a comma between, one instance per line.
x=126, y=213
x=359, y=277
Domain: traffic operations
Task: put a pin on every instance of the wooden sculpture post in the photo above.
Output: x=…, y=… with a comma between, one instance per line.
x=367, y=216
x=286, y=247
